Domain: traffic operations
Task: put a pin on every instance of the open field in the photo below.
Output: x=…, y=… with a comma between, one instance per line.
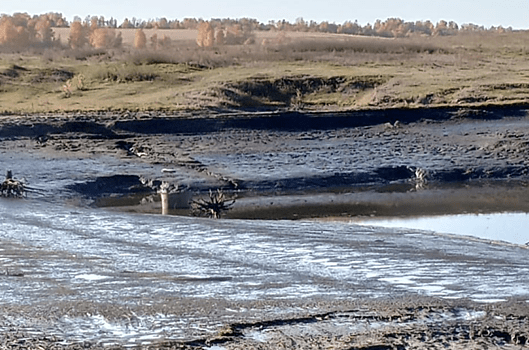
x=310, y=71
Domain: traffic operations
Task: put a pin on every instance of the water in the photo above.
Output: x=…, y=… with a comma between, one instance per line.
x=507, y=227
x=70, y=259
x=89, y=251
x=92, y=274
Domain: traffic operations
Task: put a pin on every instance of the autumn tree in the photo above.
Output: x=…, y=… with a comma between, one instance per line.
x=140, y=40
x=237, y=34
x=220, y=37
x=190, y=23
x=13, y=35
x=165, y=41
x=78, y=35
x=105, y=38
x=94, y=23
x=350, y=28
x=57, y=20
x=21, y=30
x=206, y=35
x=43, y=31
x=162, y=23
x=20, y=19
x=126, y=24
x=154, y=41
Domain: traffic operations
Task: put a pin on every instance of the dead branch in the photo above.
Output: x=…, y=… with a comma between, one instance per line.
x=214, y=207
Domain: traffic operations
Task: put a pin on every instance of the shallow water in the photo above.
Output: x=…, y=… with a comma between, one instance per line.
x=507, y=227
x=243, y=259
x=58, y=254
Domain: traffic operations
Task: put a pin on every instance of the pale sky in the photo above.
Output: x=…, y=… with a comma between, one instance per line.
x=488, y=13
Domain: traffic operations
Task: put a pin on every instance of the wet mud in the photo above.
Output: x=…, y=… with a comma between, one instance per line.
x=365, y=163
x=109, y=278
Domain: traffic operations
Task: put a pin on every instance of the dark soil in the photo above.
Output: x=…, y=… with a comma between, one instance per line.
x=358, y=163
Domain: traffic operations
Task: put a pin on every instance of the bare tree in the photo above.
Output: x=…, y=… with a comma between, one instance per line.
x=214, y=207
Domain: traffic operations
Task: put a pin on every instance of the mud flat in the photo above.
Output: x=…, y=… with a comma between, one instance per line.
x=289, y=165
x=286, y=165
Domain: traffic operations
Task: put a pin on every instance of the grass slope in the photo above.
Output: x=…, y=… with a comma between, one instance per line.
x=311, y=72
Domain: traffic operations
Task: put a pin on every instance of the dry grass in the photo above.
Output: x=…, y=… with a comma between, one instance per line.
x=297, y=70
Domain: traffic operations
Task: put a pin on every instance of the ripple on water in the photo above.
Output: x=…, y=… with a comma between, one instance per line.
x=127, y=259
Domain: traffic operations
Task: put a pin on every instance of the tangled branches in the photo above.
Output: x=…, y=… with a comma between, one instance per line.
x=213, y=207
x=11, y=187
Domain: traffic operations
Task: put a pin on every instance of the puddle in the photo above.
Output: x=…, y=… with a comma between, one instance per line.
x=506, y=227
x=91, y=277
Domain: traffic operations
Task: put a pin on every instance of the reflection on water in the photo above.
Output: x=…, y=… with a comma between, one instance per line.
x=508, y=227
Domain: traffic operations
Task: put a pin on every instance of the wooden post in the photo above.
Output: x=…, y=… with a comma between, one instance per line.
x=165, y=202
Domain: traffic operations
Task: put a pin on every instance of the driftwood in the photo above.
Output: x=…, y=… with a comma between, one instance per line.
x=11, y=187
x=213, y=207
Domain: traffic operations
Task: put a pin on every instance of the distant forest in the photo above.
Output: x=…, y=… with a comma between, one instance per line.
x=22, y=30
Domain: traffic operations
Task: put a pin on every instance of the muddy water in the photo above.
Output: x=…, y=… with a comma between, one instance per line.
x=53, y=256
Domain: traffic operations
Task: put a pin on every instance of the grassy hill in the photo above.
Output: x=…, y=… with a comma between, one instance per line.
x=312, y=71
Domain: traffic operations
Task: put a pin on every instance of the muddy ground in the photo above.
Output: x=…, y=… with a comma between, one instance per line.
x=416, y=323
x=294, y=165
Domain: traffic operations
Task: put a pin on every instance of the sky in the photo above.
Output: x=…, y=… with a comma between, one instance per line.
x=513, y=13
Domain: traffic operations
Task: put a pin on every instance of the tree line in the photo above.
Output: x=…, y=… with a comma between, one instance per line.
x=22, y=30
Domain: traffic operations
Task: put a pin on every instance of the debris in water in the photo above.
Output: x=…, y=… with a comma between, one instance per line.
x=214, y=207
x=11, y=187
